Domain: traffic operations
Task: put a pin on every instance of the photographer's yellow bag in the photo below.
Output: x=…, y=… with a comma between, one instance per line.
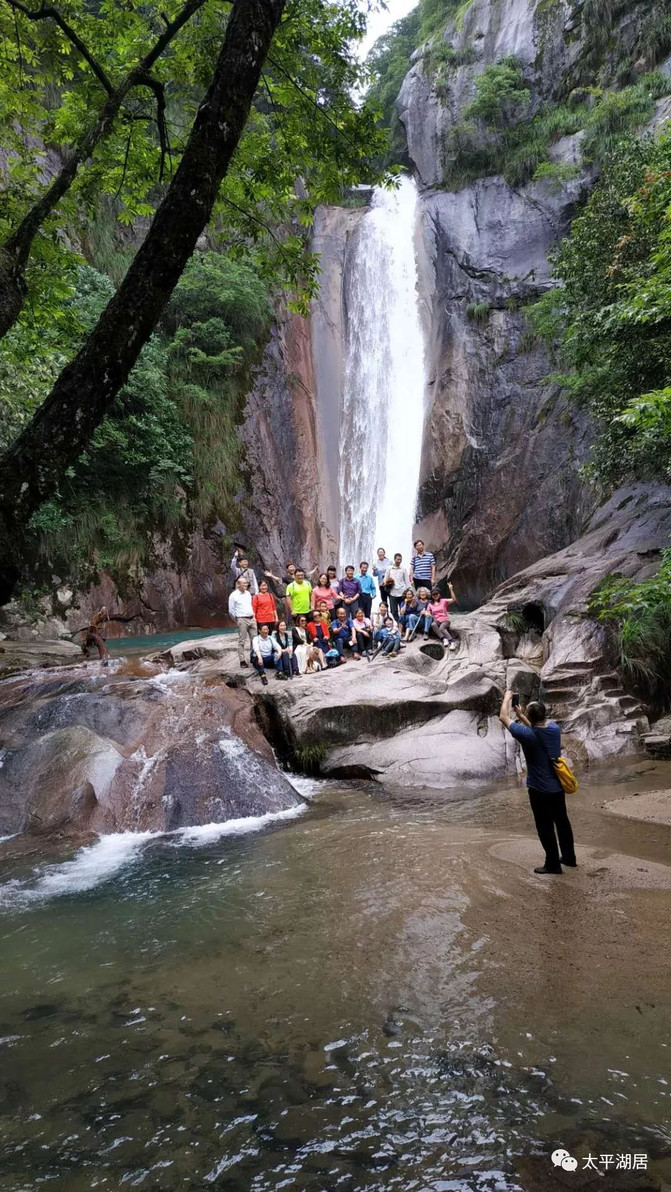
x=566, y=776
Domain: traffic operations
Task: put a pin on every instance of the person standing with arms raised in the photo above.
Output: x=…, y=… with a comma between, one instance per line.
x=540, y=739
x=241, y=570
x=422, y=567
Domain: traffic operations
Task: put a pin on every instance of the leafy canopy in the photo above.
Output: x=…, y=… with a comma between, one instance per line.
x=305, y=142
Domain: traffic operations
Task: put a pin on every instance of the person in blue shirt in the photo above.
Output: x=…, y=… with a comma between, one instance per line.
x=540, y=739
x=368, y=589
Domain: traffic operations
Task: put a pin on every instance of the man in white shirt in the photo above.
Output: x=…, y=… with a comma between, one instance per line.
x=264, y=652
x=240, y=610
x=396, y=582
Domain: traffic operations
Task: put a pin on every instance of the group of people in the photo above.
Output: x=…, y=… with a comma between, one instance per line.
x=330, y=621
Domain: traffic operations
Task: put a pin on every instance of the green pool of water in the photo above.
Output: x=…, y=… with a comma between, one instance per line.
x=156, y=642
x=362, y=997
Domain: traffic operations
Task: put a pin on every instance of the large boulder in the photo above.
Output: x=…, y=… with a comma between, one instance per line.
x=85, y=751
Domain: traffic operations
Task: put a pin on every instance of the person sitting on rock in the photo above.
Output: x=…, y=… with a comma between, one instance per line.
x=388, y=638
x=363, y=633
x=540, y=739
x=407, y=612
x=323, y=593
x=319, y=629
x=263, y=654
x=264, y=607
x=241, y=570
x=437, y=608
x=285, y=661
x=380, y=617
x=93, y=635
x=342, y=634
x=308, y=657
x=423, y=621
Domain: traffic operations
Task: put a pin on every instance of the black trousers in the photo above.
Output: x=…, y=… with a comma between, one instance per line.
x=550, y=814
x=366, y=603
x=392, y=603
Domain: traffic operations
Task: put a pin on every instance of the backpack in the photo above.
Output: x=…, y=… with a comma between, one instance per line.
x=569, y=782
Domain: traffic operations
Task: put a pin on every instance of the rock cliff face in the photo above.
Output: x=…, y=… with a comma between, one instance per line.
x=501, y=449
x=499, y=485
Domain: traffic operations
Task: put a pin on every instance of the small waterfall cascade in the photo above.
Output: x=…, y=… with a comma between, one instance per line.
x=384, y=382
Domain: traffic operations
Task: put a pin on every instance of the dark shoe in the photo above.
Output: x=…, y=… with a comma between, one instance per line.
x=264, y=680
x=544, y=869
x=244, y=664
x=570, y=864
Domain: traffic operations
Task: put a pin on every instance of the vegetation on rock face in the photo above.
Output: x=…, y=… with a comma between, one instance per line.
x=499, y=135
x=167, y=454
x=300, y=72
x=638, y=615
x=609, y=320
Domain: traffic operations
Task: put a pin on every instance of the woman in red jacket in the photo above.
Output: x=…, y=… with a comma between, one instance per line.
x=320, y=630
x=265, y=609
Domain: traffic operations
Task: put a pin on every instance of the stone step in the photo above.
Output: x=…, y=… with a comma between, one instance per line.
x=628, y=701
x=657, y=746
x=560, y=694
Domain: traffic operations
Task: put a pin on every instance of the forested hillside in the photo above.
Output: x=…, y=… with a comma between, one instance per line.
x=98, y=108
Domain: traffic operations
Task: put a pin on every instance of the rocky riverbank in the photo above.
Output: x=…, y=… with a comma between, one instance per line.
x=189, y=737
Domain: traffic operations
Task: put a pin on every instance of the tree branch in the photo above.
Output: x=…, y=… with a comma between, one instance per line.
x=157, y=87
x=47, y=13
x=311, y=100
x=15, y=251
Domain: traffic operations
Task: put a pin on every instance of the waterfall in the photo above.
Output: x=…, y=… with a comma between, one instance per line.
x=384, y=382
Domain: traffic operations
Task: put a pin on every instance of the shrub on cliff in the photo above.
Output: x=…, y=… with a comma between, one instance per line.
x=609, y=320
x=638, y=616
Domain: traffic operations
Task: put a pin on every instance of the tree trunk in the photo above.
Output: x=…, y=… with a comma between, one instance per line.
x=31, y=469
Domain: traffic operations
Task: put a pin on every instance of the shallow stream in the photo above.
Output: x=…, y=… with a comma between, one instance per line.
x=361, y=997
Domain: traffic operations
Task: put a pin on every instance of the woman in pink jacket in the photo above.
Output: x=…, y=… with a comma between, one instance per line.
x=438, y=610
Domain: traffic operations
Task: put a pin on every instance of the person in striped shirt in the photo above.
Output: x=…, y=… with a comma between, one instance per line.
x=422, y=567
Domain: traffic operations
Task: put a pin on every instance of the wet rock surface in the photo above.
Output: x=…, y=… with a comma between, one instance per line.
x=91, y=751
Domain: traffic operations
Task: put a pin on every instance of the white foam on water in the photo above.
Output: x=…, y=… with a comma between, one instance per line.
x=307, y=788
x=10, y=837
x=96, y=863
x=90, y=867
x=202, y=834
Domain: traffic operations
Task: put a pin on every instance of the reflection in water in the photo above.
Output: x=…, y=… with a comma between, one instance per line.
x=361, y=998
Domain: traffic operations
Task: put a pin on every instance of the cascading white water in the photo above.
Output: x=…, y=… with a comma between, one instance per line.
x=384, y=386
